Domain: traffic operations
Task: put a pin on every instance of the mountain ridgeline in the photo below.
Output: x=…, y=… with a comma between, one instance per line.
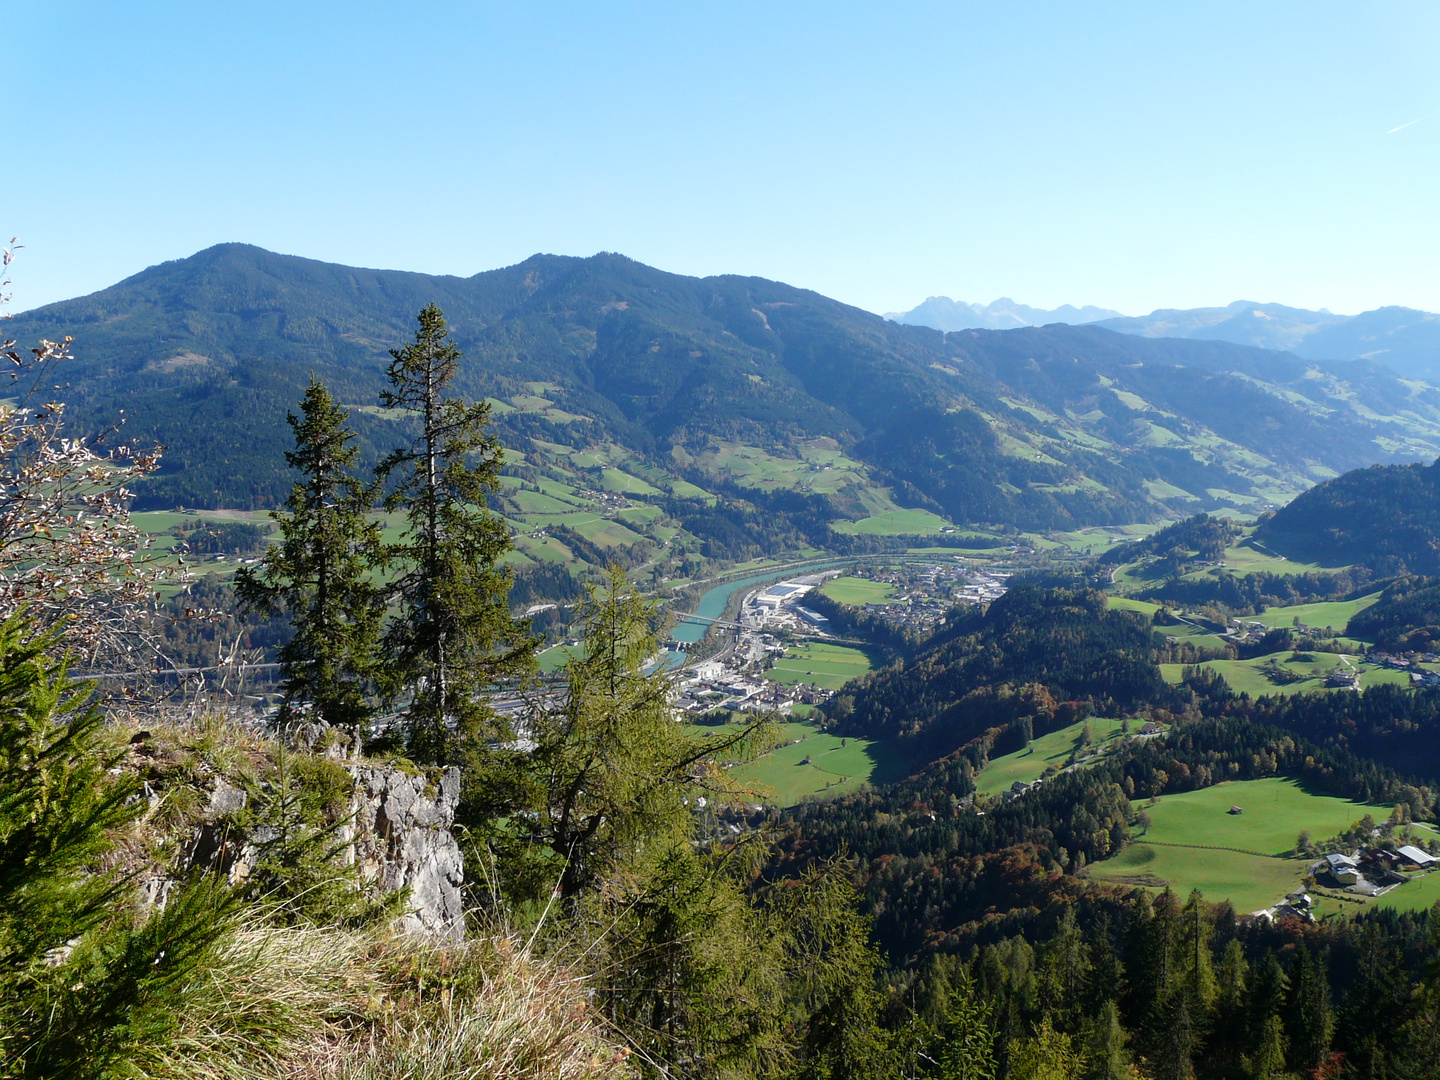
x=1405, y=340
x=1059, y=426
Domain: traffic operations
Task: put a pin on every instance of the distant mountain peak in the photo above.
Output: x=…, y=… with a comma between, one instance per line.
x=942, y=313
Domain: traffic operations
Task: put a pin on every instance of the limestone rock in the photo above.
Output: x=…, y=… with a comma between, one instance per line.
x=401, y=838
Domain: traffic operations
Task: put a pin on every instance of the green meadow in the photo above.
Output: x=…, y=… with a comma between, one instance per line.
x=1054, y=749
x=1333, y=614
x=1193, y=842
x=830, y=666
x=858, y=591
x=1249, y=676
x=895, y=523
x=816, y=763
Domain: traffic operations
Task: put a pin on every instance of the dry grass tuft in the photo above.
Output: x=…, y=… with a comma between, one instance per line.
x=300, y=1003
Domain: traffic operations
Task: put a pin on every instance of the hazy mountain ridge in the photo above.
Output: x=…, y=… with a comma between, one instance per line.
x=942, y=313
x=1049, y=427
x=1405, y=340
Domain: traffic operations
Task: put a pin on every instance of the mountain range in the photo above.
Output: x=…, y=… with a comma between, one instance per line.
x=728, y=378
x=942, y=313
x=1402, y=339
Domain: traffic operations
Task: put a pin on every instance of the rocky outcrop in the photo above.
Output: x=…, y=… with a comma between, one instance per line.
x=397, y=831
x=401, y=838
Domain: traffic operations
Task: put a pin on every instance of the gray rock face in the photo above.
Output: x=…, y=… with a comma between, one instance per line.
x=401, y=838
x=398, y=833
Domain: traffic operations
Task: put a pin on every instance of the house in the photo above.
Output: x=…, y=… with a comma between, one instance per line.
x=1343, y=869
x=1413, y=856
x=1235, y=810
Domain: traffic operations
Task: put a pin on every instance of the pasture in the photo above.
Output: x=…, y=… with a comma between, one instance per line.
x=1054, y=749
x=1335, y=613
x=1193, y=842
x=830, y=666
x=1249, y=676
x=894, y=523
x=816, y=763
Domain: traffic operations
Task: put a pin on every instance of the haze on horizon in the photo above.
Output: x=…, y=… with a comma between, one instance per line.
x=1121, y=156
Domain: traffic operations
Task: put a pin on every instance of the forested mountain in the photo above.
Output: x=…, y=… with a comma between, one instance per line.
x=1035, y=654
x=1057, y=426
x=1404, y=340
x=1385, y=517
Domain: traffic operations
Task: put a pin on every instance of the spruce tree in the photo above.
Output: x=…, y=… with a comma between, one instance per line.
x=319, y=573
x=91, y=987
x=1309, y=1021
x=453, y=633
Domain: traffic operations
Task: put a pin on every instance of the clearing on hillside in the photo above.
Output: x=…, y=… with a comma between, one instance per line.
x=1052, y=750
x=816, y=763
x=1195, y=843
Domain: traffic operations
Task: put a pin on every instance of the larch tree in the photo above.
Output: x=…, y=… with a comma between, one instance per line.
x=610, y=769
x=320, y=572
x=452, y=634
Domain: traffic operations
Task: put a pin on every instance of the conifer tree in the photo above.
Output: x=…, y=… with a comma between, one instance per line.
x=1309, y=1021
x=1107, y=1057
x=453, y=633
x=1268, y=1061
x=611, y=770
x=319, y=573
x=1196, y=962
x=90, y=986
x=967, y=1041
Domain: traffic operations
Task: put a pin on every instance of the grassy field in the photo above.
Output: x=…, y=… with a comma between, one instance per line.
x=1243, y=558
x=1052, y=749
x=1333, y=614
x=1248, y=676
x=817, y=764
x=1250, y=882
x=1124, y=603
x=830, y=666
x=1194, y=843
x=895, y=523
x=1420, y=893
x=857, y=591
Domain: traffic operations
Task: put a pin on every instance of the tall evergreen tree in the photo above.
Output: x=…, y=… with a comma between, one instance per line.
x=453, y=633
x=319, y=573
x=1309, y=1021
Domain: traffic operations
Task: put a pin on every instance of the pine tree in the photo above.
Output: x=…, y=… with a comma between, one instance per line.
x=1196, y=960
x=1176, y=1041
x=1268, y=1061
x=967, y=1040
x=453, y=633
x=319, y=573
x=1106, y=1054
x=1046, y=1055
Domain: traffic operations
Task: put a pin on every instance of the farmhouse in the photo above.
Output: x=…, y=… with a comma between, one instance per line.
x=1343, y=869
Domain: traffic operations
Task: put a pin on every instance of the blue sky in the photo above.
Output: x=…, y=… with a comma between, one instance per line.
x=1132, y=156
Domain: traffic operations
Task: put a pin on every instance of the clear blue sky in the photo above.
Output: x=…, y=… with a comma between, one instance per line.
x=1133, y=156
